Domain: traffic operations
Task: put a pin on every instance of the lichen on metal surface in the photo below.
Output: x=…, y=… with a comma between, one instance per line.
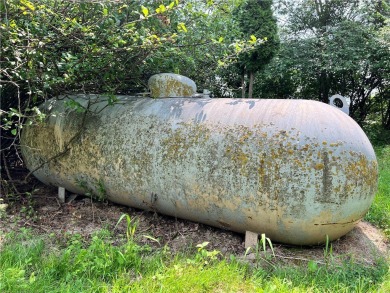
x=171, y=85
x=236, y=164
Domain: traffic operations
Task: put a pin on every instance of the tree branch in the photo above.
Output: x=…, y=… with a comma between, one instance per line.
x=67, y=147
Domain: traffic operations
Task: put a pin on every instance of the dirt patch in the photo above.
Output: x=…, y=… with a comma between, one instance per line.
x=44, y=214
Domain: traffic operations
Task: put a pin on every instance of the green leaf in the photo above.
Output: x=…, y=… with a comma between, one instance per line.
x=312, y=266
x=253, y=38
x=161, y=9
x=152, y=238
x=145, y=11
x=203, y=245
x=32, y=278
x=210, y=2
x=14, y=131
x=28, y=4
x=182, y=27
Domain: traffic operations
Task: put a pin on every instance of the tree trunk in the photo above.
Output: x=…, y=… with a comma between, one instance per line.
x=386, y=120
x=323, y=87
x=243, y=85
x=386, y=110
x=251, y=78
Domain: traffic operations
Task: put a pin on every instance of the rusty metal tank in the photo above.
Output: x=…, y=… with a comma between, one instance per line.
x=296, y=170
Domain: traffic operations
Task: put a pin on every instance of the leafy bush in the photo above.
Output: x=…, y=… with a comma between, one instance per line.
x=53, y=47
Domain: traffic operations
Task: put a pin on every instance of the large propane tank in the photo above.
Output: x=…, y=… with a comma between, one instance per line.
x=296, y=170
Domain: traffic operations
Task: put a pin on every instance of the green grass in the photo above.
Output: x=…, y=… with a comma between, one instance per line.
x=30, y=264
x=379, y=213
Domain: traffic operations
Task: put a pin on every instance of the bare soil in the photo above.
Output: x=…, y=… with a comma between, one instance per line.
x=44, y=214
